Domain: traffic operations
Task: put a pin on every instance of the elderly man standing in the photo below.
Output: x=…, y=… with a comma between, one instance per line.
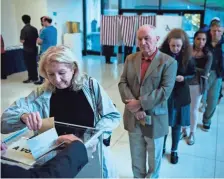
x=145, y=85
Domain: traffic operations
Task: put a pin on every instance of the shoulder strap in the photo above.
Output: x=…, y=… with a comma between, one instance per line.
x=92, y=93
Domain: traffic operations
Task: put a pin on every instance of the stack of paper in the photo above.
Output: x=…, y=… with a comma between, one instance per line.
x=27, y=151
x=19, y=152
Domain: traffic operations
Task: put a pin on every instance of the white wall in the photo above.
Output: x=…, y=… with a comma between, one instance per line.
x=12, y=11
x=67, y=10
x=8, y=23
x=35, y=9
x=163, y=21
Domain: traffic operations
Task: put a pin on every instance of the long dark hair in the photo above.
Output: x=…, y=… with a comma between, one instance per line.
x=186, y=48
x=205, y=48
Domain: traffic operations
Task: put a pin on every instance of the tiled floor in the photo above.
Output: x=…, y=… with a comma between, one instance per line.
x=205, y=159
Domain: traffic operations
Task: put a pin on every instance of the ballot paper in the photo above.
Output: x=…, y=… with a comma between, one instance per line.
x=19, y=152
x=30, y=150
x=47, y=124
x=42, y=143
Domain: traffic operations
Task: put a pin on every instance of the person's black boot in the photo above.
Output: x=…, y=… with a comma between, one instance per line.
x=174, y=158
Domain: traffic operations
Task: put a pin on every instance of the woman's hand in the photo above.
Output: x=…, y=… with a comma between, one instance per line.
x=179, y=78
x=32, y=120
x=67, y=139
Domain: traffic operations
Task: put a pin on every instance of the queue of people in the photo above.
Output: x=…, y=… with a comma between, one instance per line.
x=160, y=87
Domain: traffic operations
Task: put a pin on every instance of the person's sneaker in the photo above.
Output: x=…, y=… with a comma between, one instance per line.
x=191, y=139
x=206, y=127
x=28, y=81
x=202, y=108
x=183, y=134
x=174, y=158
x=38, y=82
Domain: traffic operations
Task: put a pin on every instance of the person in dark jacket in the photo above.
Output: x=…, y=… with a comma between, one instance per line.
x=66, y=164
x=28, y=37
x=178, y=46
x=209, y=39
x=216, y=46
x=202, y=59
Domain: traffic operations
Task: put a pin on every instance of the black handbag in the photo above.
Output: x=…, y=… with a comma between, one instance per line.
x=106, y=142
x=181, y=94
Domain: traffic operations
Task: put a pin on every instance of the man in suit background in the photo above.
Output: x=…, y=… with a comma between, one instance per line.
x=145, y=85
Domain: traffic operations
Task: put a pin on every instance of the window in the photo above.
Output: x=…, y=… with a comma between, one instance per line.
x=93, y=24
x=140, y=4
x=214, y=8
x=182, y=4
x=191, y=24
x=110, y=7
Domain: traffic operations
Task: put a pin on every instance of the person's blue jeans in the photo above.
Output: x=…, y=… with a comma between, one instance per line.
x=176, y=130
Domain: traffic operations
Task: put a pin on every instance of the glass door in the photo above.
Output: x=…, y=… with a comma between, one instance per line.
x=93, y=12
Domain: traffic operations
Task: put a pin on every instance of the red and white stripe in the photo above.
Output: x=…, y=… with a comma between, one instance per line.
x=142, y=20
x=128, y=29
x=109, y=30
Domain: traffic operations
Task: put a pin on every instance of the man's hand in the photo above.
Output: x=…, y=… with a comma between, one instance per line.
x=133, y=105
x=67, y=139
x=32, y=120
x=140, y=115
x=179, y=78
x=39, y=41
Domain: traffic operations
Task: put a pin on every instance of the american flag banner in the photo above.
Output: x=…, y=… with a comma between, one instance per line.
x=109, y=33
x=128, y=29
x=142, y=20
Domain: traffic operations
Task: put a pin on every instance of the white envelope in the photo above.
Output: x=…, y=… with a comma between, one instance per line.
x=43, y=143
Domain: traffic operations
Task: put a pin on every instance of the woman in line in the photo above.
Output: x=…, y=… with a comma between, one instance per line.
x=67, y=95
x=202, y=58
x=177, y=45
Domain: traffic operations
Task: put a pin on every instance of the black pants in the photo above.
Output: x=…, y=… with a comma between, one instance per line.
x=127, y=51
x=30, y=59
x=3, y=66
x=108, y=51
x=176, y=130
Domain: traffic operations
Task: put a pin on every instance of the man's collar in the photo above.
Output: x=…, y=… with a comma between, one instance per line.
x=151, y=57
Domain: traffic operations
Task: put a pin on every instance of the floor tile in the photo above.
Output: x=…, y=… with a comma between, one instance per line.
x=220, y=143
x=188, y=167
x=123, y=159
x=219, y=171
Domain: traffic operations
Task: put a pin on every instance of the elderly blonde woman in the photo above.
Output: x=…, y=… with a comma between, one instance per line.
x=66, y=95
